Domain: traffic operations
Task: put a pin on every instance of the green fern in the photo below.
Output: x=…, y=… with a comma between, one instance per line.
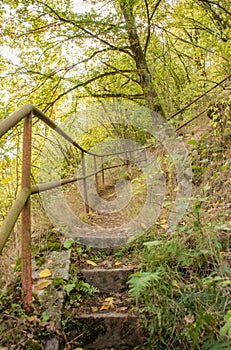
x=140, y=281
x=212, y=344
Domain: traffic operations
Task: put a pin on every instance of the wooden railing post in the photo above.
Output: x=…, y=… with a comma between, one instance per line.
x=96, y=175
x=26, y=216
x=84, y=182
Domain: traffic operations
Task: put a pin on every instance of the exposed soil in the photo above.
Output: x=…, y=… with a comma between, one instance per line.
x=120, y=302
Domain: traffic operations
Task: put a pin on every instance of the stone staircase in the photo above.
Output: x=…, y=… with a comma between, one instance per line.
x=115, y=328
x=111, y=324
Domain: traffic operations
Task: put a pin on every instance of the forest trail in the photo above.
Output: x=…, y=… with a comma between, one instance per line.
x=84, y=295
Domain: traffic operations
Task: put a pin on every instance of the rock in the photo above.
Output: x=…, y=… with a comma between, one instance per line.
x=52, y=344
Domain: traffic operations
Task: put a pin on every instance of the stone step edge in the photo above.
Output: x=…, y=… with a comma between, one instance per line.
x=110, y=314
x=109, y=269
x=100, y=242
x=120, y=329
x=107, y=280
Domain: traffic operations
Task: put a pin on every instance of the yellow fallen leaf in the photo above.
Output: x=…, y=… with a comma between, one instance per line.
x=45, y=273
x=92, y=263
x=175, y=284
x=94, y=309
x=117, y=263
x=104, y=307
x=109, y=299
x=107, y=304
x=43, y=285
x=95, y=224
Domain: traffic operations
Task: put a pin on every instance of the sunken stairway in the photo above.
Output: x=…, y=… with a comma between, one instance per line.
x=105, y=320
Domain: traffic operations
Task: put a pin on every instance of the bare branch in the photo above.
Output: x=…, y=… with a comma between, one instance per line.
x=155, y=9
x=82, y=84
x=217, y=4
x=188, y=42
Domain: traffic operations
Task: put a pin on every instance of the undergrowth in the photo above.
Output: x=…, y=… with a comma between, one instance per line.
x=182, y=289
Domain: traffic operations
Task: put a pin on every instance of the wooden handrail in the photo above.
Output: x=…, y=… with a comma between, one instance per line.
x=22, y=113
x=22, y=203
x=12, y=216
x=17, y=116
x=46, y=186
x=199, y=97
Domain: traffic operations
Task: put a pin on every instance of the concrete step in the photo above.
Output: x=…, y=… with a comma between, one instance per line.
x=101, y=241
x=114, y=328
x=107, y=330
x=110, y=328
x=107, y=280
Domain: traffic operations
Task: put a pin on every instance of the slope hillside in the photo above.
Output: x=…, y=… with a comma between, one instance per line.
x=181, y=285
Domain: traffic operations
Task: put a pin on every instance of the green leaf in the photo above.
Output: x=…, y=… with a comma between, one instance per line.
x=68, y=243
x=151, y=244
x=206, y=188
x=226, y=329
x=6, y=180
x=45, y=316
x=69, y=287
x=140, y=281
x=193, y=142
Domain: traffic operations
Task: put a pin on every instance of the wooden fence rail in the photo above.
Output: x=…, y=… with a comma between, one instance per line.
x=22, y=202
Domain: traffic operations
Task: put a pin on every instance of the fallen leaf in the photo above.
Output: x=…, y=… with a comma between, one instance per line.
x=175, y=284
x=163, y=226
x=117, y=263
x=104, y=307
x=123, y=308
x=189, y=319
x=50, y=326
x=34, y=320
x=94, y=309
x=109, y=299
x=45, y=273
x=92, y=263
x=107, y=304
x=43, y=285
x=95, y=224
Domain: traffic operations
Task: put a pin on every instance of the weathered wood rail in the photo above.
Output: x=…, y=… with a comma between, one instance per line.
x=22, y=202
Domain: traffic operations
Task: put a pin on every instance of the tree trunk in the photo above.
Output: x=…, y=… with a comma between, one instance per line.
x=146, y=79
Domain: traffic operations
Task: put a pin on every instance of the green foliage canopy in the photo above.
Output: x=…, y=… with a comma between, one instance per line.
x=157, y=53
